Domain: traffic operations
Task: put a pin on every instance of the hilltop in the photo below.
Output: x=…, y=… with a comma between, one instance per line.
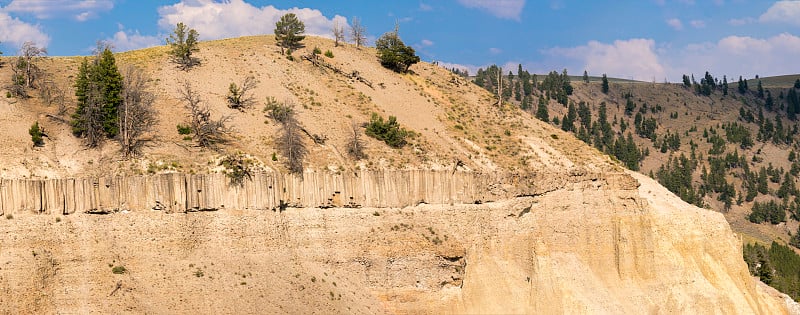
x=561, y=227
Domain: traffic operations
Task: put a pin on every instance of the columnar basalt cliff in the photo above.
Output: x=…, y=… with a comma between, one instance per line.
x=270, y=191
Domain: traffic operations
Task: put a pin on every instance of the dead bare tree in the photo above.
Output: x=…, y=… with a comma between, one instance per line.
x=500, y=87
x=92, y=116
x=338, y=33
x=137, y=116
x=358, y=32
x=53, y=93
x=207, y=132
x=355, y=146
x=290, y=143
x=25, y=72
x=240, y=96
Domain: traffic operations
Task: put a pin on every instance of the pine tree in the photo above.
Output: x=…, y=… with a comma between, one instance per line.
x=541, y=110
x=760, y=90
x=97, y=87
x=394, y=54
x=724, y=85
x=585, y=76
x=742, y=85
x=111, y=86
x=605, y=84
x=288, y=32
x=184, y=43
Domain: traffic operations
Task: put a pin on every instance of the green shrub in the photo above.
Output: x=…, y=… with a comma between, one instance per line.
x=387, y=131
x=36, y=135
x=317, y=51
x=328, y=54
x=118, y=270
x=184, y=129
x=237, y=168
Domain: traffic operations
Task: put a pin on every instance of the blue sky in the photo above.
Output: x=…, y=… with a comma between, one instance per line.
x=641, y=39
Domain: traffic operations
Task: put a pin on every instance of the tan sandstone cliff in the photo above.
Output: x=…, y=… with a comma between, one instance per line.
x=588, y=247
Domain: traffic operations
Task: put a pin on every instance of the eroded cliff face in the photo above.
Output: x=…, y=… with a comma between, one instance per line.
x=591, y=246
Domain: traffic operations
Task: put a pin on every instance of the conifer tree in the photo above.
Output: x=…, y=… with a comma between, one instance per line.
x=288, y=32
x=183, y=42
x=605, y=84
x=541, y=110
x=97, y=87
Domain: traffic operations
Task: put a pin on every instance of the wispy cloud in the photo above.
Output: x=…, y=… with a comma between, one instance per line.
x=698, y=23
x=742, y=21
x=80, y=10
x=504, y=9
x=495, y=50
x=675, y=24
x=425, y=7
x=782, y=12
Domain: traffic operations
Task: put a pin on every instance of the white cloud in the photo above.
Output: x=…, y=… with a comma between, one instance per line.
x=214, y=20
x=698, y=24
x=633, y=58
x=17, y=32
x=425, y=7
x=125, y=40
x=495, y=50
x=782, y=12
x=741, y=55
x=504, y=9
x=81, y=10
x=426, y=43
x=675, y=24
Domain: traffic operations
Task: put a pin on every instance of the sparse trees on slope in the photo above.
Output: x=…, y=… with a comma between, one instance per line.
x=394, y=54
x=240, y=96
x=338, y=33
x=137, y=116
x=290, y=143
x=207, y=132
x=289, y=32
x=25, y=72
x=357, y=32
x=355, y=146
x=184, y=43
